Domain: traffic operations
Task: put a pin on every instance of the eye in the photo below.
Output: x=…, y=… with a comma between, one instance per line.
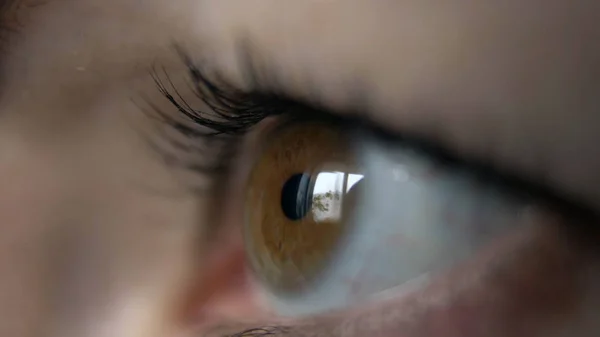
x=337, y=211
x=335, y=215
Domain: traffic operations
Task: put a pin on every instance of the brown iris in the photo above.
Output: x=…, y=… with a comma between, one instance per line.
x=288, y=243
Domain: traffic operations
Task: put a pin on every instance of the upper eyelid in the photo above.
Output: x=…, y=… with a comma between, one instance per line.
x=266, y=78
x=282, y=102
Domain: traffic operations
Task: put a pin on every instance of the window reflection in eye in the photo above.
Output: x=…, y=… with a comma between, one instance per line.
x=333, y=192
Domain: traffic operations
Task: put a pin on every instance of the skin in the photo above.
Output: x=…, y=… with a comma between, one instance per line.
x=99, y=238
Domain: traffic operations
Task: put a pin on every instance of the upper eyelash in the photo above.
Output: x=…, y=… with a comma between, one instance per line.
x=233, y=111
x=216, y=129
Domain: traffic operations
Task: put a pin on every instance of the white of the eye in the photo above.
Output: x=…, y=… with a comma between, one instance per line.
x=400, y=174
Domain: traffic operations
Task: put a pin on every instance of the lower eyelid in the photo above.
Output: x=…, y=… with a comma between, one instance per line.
x=523, y=285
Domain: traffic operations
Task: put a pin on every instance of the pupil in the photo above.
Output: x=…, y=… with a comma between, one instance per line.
x=296, y=197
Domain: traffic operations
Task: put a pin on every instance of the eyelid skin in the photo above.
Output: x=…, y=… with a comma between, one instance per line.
x=493, y=81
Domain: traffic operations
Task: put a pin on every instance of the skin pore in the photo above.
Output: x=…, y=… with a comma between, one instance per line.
x=98, y=237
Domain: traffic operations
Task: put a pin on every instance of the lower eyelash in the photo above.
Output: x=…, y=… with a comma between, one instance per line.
x=263, y=331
